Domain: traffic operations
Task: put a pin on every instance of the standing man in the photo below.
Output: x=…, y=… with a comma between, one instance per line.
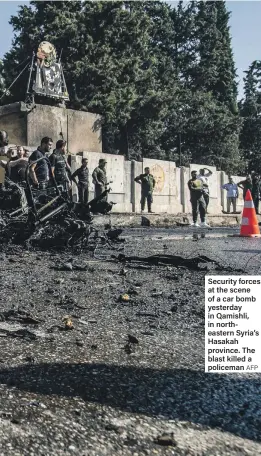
x=4, y=148
x=39, y=171
x=246, y=185
x=100, y=178
x=17, y=167
x=60, y=166
x=197, y=200
x=83, y=181
x=204, y=179
x=232, y=194
x=147, y=183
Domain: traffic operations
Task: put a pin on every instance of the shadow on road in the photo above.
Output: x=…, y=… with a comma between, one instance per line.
x=243, y=250
x=229, y=403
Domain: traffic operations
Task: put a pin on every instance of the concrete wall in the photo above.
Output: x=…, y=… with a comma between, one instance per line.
x=171, y=193
x=118, y=171
x=15, y=124
x=82, y=130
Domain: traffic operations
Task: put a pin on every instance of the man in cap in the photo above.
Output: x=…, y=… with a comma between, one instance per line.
x=100, y=178
x=83, y=181
x=147, y=183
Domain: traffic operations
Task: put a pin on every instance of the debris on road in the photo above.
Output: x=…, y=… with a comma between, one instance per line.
x=166, y=440
x=196, y=263
x=124, y=298
x=68, y=322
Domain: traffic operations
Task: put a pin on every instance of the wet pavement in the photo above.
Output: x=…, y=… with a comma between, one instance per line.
x=128, y=379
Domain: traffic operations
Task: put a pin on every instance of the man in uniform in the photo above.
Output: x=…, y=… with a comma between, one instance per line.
x=60, y=165
x=246, y=185
x=198, y=204
x=83, y=181
x=39, y=171
x=100, y=178
x=147, y=183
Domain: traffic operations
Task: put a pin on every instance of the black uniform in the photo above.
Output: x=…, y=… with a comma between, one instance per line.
x=59, y=164
x=18, y=172
x=41, y=169
x=83, y=183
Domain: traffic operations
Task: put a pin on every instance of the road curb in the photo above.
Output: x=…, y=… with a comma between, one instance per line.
x=132, y=220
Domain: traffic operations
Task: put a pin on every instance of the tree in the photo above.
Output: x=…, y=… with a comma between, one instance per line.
x=116, y=62
x=154, y=73
x=215, y=71
x=2, y=80
x=250, y=107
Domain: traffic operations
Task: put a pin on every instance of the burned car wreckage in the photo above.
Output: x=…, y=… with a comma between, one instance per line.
x=47, y=217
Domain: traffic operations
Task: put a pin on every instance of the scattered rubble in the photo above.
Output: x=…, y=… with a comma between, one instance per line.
x=197, y=263
x=83, y=373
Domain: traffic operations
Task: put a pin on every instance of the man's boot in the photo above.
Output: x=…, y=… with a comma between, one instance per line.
x=149, y=208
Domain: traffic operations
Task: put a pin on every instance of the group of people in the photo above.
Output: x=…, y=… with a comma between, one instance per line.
x=16, y=163
x=16, y=160
x=199, y=193
x=44, y=162
x=252, y=182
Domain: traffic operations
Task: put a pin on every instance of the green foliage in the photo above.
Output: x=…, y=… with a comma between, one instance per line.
x=2, y=80
x=156, y=74
x=250, y=107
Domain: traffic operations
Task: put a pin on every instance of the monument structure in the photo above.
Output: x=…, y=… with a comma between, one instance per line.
x=28, y=121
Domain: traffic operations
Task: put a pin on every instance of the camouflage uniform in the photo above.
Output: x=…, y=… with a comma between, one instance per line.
x=100, y=178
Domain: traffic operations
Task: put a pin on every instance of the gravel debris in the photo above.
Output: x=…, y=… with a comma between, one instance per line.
x=82, y=392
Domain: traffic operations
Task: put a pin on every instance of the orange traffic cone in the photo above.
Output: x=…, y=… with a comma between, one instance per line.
x=249, y=223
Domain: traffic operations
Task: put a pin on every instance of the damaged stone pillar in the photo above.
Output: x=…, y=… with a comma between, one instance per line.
x=136, y=170
x=76, y=161
x=223, y=180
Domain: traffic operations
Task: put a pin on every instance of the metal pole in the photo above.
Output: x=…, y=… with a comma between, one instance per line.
x=127, y=143
x=179, y=139
x=30, y=75
x=68, y=133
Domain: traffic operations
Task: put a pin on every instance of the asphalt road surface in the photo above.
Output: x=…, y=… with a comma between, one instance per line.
x=88, y=391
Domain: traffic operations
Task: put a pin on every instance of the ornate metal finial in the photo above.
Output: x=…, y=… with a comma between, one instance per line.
x=49, y=80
